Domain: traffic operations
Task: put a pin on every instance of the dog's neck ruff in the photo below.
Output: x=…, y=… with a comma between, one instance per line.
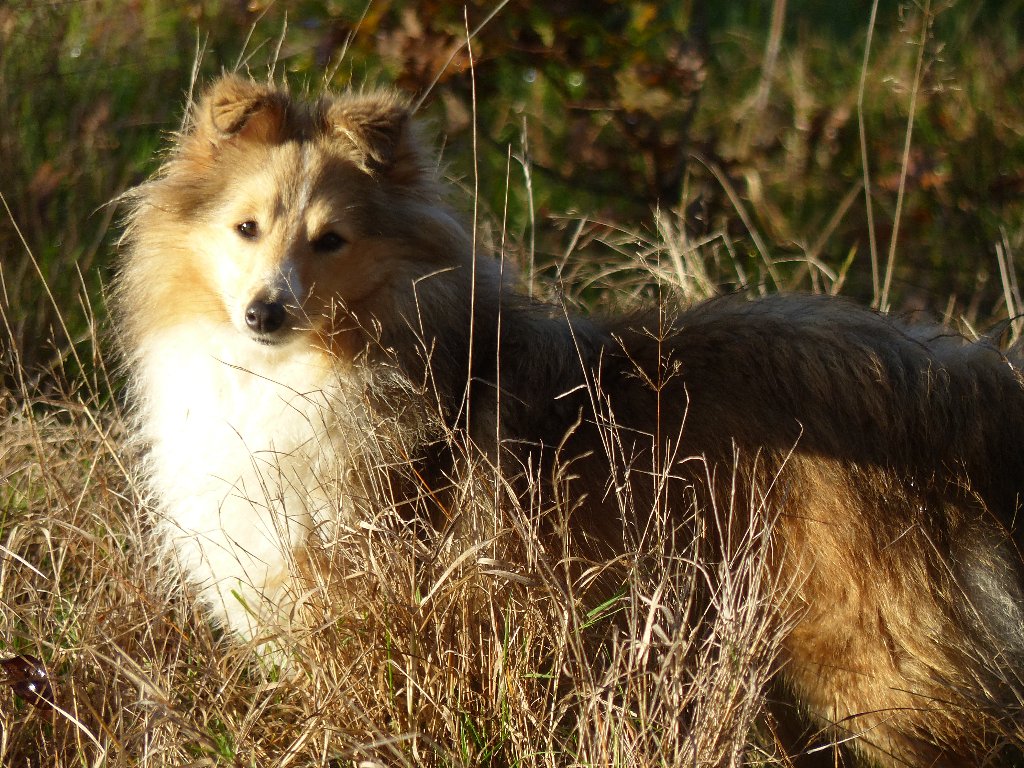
x=248, y=450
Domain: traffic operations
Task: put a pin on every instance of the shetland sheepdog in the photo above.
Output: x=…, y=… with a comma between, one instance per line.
x=299, y=307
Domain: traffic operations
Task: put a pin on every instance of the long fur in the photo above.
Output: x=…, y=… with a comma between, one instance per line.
x=890, y=457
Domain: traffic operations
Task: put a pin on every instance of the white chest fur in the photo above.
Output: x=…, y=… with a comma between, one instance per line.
x=249, y=447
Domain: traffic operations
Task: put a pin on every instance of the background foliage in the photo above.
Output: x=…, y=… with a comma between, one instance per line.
x=584, y=117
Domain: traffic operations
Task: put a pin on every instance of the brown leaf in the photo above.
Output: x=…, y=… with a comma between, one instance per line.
x=27, y=677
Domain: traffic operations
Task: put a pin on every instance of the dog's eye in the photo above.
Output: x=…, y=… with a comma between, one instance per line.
x=328, y=242
x=248, y=229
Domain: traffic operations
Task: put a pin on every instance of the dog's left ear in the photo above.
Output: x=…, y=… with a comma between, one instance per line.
x=237, y=108
x=376, y=130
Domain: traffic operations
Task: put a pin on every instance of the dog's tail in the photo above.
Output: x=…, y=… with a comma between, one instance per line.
x=989, y=598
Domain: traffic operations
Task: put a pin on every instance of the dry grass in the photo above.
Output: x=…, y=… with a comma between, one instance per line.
x=464, y=646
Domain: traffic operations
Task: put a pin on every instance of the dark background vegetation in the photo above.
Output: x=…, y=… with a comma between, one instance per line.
x=589, y=115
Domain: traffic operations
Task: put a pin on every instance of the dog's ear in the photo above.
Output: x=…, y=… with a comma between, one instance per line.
x=236, y=107
x=376, y=131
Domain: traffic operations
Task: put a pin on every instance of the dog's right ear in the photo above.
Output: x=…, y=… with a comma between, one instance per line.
x=375, y=130
x=238, y=108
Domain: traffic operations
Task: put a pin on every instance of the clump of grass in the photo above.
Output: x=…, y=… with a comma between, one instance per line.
x=418, y=649
x=464, y=646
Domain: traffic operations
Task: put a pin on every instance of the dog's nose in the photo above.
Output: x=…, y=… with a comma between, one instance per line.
x=264, y=316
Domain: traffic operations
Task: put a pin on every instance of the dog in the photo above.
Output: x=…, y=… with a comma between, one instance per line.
x=297, y=304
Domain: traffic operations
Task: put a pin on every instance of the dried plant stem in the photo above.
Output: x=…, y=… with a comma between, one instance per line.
x=862, y=133
x=926, y=22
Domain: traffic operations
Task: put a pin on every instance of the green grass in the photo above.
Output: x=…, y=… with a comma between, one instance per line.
x=493, y=671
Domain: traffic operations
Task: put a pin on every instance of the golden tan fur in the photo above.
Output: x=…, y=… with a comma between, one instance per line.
x=890, y=458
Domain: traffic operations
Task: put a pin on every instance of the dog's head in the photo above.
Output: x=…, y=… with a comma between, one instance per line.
x=292, y=219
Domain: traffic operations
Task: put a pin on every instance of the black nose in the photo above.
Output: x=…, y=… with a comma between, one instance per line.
x=264, y=316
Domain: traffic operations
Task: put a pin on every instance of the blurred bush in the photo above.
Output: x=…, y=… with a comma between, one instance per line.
x=587, y=116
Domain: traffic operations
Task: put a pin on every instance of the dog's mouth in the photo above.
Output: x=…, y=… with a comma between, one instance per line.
x=267, y=341
x=281, y=337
